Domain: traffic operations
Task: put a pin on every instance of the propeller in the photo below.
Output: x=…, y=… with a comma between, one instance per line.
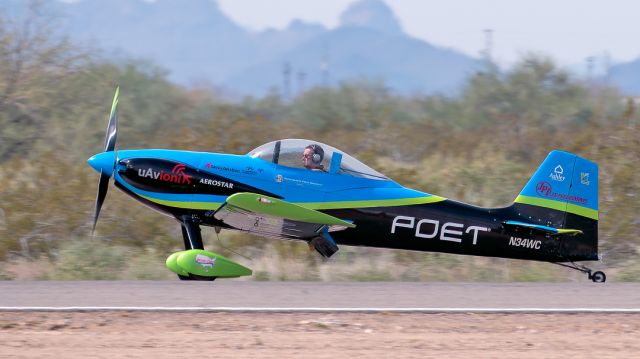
x=105, y=162
x=103, y=186
x=110, y=140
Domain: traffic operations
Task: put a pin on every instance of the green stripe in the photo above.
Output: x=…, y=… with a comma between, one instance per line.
x=559, y=206
x=310, y=205
x=571, y=232
x=372, y=203
x=183, y=204
x=582, y=211
x=541, y=202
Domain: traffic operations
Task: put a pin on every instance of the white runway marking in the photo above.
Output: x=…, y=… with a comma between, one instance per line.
x=324, y=310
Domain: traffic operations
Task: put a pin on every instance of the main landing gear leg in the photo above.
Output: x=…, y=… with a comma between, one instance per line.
x=596, y=277
x=192, y=239
x=191, y=234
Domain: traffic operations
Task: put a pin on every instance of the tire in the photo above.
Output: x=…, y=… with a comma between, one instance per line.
x=197, y=277
x=599, y=277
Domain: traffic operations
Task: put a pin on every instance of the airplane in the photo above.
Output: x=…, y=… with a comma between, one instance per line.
x=297, y=189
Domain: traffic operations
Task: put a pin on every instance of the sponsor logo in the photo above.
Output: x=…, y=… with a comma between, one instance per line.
x=557, y=174
x=205, y=261
x=544, y=189
x=216, y=183
x=223, y=168
x=301, y=182
x=279, y=178
x=176, y=176
x=525, y=242
x=430, y=228
x=264, y=200
x=249, y=171
x=584, y=178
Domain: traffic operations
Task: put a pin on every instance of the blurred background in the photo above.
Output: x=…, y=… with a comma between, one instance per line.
x=460, y=100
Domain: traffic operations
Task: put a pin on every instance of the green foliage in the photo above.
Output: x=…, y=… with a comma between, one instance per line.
x=92, y=259
x=89, y=260
x=3, y=273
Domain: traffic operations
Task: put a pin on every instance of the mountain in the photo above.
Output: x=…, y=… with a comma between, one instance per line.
x=368, y=43
x=197, y=43
x=191, y=38
x=627, y=77
x=405, y=64
x=371, y=14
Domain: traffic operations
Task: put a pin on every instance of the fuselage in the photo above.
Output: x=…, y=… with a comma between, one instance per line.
x=386, y=214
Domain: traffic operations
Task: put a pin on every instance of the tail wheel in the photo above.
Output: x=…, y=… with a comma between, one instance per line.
x=598, y=277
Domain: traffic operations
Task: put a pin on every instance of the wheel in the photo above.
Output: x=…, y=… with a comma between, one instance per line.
x=196, y=277
x=598, y=277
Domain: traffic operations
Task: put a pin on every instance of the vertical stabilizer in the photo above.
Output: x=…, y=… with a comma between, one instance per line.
x=563, y=193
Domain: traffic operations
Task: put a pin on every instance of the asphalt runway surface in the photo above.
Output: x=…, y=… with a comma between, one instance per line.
x=232, y=294
x=240, y=319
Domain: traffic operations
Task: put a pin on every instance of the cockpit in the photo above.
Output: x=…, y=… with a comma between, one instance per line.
x=315, y=156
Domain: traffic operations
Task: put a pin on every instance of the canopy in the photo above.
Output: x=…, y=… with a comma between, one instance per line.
x=289, y=152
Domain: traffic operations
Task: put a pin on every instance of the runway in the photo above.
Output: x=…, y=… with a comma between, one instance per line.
x=319, y=296
x=240, y=319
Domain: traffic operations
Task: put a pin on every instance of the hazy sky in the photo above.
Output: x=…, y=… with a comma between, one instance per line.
x=568, y=30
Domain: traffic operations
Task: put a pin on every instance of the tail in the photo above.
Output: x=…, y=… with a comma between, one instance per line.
x=563, y=195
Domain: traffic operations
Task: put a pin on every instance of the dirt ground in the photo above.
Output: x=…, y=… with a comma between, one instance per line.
x=317, y=335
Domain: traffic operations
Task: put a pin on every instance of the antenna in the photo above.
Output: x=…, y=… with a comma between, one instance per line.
x=286, y=77
x=590, y=61
x=488, y=45
x=324, y=68
x=606, y=59
x=301, y=77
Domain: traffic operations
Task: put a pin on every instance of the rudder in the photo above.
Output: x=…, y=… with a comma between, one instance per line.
x=563, y=193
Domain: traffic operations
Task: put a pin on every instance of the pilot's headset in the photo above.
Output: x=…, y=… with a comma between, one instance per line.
x=318, y=153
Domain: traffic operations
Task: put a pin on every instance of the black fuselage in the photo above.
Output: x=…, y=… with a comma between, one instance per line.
x=453, y=227
x=448, y=227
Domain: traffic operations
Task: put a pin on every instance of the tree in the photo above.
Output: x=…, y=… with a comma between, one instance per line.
x=33, y=58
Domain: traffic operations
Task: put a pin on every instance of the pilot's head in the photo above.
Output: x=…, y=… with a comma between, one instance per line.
x=312, y=157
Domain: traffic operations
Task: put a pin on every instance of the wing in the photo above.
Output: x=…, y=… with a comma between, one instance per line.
x=272, y=217
x=544, y=229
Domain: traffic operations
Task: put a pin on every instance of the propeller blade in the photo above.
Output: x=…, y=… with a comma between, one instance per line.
x=103, y=187
x=105, y=162
x=110, y=140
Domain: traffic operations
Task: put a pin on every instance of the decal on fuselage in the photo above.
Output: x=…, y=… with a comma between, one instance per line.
x=176, y=176
x=557, y=174
x=545, y=189
x=215, y=183
x=525, y=242
x=431, y=228
x=584, y=178
x=166, y=176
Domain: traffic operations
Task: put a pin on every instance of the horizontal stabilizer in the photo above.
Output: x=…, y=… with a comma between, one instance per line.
x=257, y=203
x=541, y=228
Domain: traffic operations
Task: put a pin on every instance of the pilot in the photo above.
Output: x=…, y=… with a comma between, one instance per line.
x=312, y=157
